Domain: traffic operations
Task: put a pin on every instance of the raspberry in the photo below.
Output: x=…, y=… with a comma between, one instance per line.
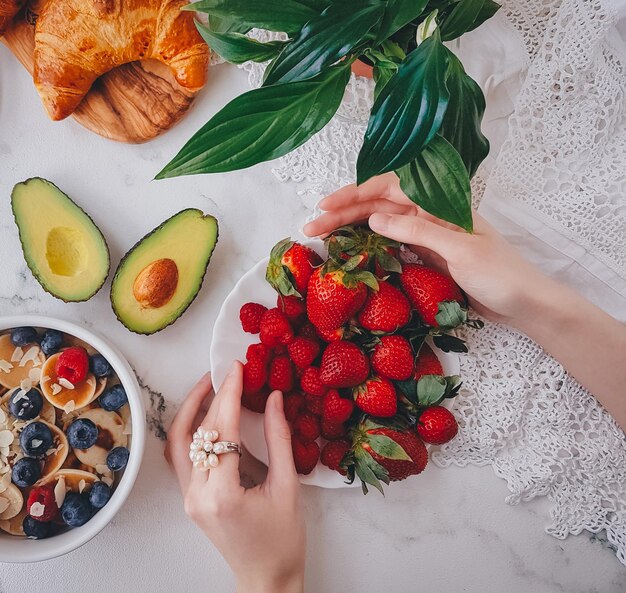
x=314, y=404
x=305, y=454
x=310, y=382
x=73, y=365
x=307, y=426
x=333, y=453
x=336, y=409
x=332, y=431
x=303, y=351
x=254, y=376
x=293, y=404
x=281, y=374
x=43, y=495
x=292, y=306
x=255, y=402
x=258, y=352
x=250, y=316
x=275, y=329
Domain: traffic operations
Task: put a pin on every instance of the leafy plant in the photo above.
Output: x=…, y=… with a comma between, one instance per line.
x=425, y=121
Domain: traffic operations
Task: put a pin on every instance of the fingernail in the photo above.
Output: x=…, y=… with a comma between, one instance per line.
x=379, y=222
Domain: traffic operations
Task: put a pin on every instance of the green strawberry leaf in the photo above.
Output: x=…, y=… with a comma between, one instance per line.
x=387, y=447
x=453, y=385
x=450, y=315
x=370, y=471
x=388, y=262
x=431, y=389
x=368, y=279
x=449, y=343
x=475, y=323
x=408, y=388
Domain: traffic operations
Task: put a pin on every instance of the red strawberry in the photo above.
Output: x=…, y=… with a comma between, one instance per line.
x=333, y=454
x=292, y=306
x=280, y=374
x=258, y=352
x=305, y=454
x=73, y=365
x=250, y=316
x=43, y=495
x=290, y=267
x=437, y=425
x=307, y=426
x=389, y=448
x=332, y=431
x=314, y=404
x=332, y=335
x=377, y=396
x=275, y=329
x=308, y=331
x=426, y=363
x=426, y=288
x=392, y=358
x=293, y=404
x=336, y=409
x=303, y=351
x=255, y=402
x=343, y=364
x=335, y=296
x=385, y=310
x=310, y=382
x=254, y=376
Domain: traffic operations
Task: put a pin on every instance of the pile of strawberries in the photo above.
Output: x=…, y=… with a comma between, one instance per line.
x=346, y=345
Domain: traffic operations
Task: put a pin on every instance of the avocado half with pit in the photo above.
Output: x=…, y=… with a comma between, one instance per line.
x=162, y=274
x=64, y=249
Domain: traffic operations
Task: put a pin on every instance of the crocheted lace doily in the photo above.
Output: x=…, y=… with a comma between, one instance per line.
x=565, y=160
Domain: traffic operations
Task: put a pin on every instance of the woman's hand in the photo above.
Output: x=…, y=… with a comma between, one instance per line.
x=260, y=532
x=498, y=281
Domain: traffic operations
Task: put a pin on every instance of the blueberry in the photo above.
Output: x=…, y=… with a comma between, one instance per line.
x=26, y=472
x=51, y=342
x=82, y=433
x=75, y=510
x=35, y=439
x=21, y=336
x=99, y=366
x=35, y=529
x=117, y=458
x=99, y=495
x=113, y=398
x=25, y=405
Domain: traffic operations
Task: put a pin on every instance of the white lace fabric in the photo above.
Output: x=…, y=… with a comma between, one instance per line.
x=556, y=117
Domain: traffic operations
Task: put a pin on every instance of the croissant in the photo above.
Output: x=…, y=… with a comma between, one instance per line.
x=8, y=9
x=76, y=41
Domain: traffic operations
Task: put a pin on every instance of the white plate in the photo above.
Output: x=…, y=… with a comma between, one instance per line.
x=230, y=343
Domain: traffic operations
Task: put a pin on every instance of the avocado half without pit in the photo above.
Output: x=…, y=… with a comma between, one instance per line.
x=161, y=275
x=64, y=249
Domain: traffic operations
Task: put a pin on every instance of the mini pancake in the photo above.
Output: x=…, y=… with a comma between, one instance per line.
x=13, y=372
x=13, y=526
x=54, y=462
x=13, y=496
x=110, y=435
x=47, y=413
x=64, y=420
x=72, y=462
x=59, y=396
x=73, y=479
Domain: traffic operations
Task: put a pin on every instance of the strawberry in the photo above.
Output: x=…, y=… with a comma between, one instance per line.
x=255, y=402
x=292, y=306
x=280, y=375
x=73, y=365
x=305, y=454
x=293, y=404
x=335, y=295
x=385, y=310
x=307, y=426
x=377, y=396
x=254, y=376
x=333, y=453
x=314, y=403
x=426, y=288
x=275, y=329
x=310, y=382
x=258, y=352
x=303, y=351
x=250, y=316
x=332, y=431
x=336, y=409
x=437, y=425
x=426, y=363
x=332, y=335
x=308, y=331
x=386, y=454
x=290, y=267
x=43, y=495
x=343, y=364
x=392, y=357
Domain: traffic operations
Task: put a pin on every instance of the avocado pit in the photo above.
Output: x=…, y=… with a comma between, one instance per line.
x=156, y=284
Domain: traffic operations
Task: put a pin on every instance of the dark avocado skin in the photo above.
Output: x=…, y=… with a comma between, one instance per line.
x=34, y=272
x=120, y=269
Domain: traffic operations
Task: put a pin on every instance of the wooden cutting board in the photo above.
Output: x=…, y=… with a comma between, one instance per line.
x=133, y=103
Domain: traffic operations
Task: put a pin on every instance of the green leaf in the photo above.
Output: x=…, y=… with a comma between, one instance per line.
x=408, y=389
x=461, y=19
x=431, y=389
x=370, y=471
x=449, y=343
x=261, y=125
x=450, y=315
x=486, y=12
x=437, y=181
x=275, y=15
x=237, y=48
x=398, y=14
x=226, y=25
x=426, y=28
x=461, y=124
x=324, y=40
x=387, y=447
x=407, y=113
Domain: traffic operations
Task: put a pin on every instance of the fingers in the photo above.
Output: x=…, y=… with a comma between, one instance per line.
x=282, y=470
x=381, y=186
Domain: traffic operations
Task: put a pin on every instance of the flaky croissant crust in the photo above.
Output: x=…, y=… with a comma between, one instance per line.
x=76, y=41
x=8, y=10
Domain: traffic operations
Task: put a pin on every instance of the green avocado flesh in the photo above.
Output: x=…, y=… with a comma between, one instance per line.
x=185, y=242
x=62, y=246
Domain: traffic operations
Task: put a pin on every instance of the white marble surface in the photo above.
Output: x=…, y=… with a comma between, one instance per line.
x=448, y=530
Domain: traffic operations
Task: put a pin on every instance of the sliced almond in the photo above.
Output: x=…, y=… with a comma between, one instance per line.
x=17, y=354
x=63, y=382
x=37, y=510
x=31, y=355
x=60, y=491
x=56, y=388
x=5, y=366
x=6, y=438
x=70, y=406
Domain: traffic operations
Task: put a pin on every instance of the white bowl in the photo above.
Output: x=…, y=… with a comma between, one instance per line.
x=16, y=549
x=230, y=343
